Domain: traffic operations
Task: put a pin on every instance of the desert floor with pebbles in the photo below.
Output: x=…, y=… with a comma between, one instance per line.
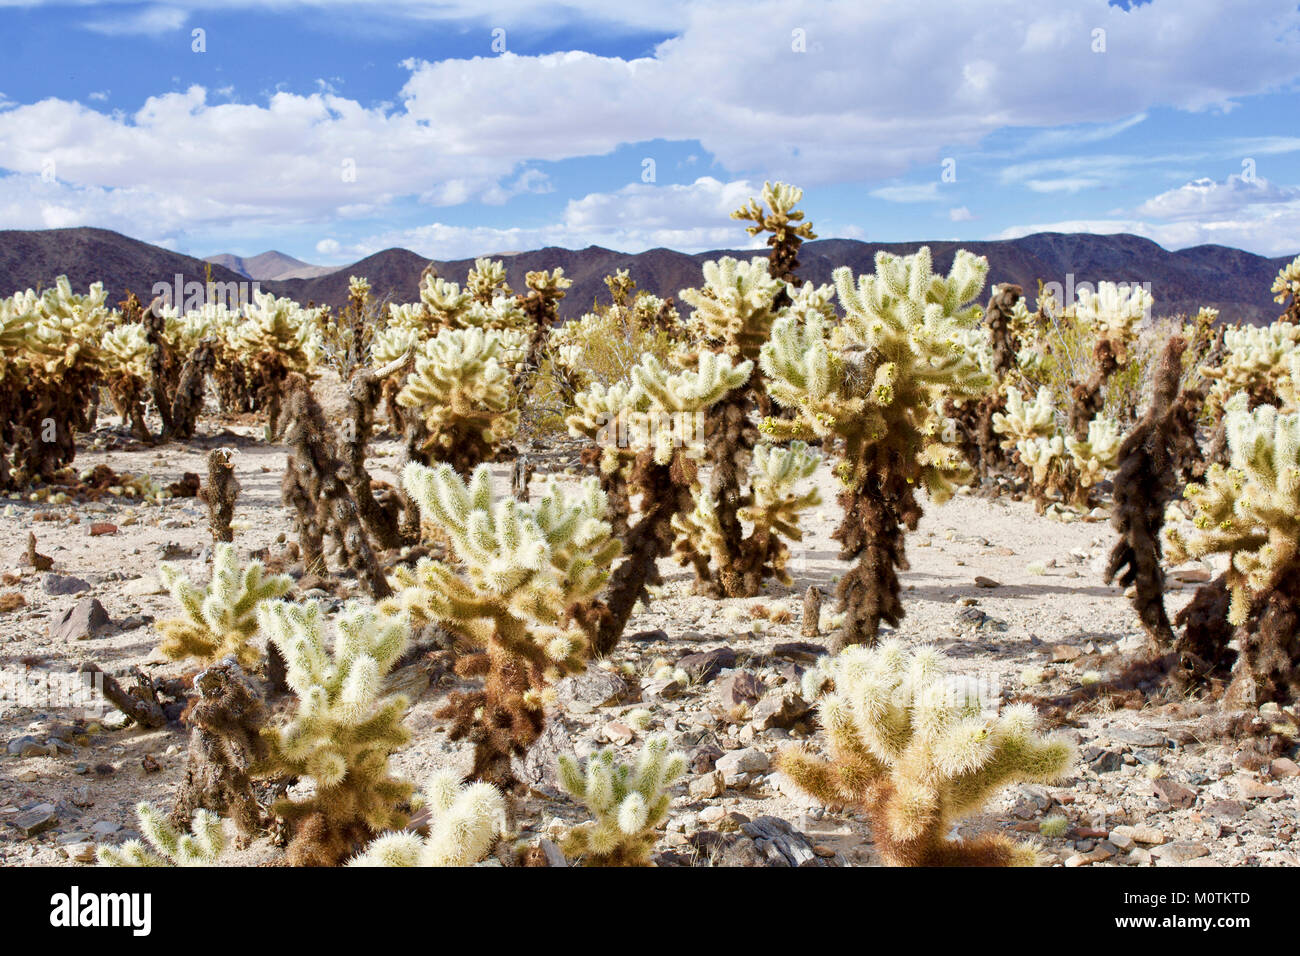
x=1013, y=598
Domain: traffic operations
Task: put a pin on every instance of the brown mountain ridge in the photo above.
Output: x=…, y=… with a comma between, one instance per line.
x=1231, y=280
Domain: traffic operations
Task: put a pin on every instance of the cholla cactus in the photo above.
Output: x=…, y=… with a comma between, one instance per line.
x=656, y=411
x=733, y=315
x=993, y=349
x=167, y=846
x=1288, y=388
x=1287, y=285
x=628, y=802
x=52, y=367
x=647, y=434
x=126, y=354
x=343, y=730
x=1256, y=361
x=486, y=282
x=464, y=822
x=221, y=617
x=1046, y=462
x=783, y=221
x=461, y=390
x=772, y=507
x=1112, y=315
x=277, y=337
x=346, y=342
x=736, y=305
x=521, y=568
x=1145, y=482
x=541, y=307
x=279, y=327
x=1025, y=420
x=918, y=750
x=1251, y=511
x=1113, y=312
x=1098, y=455
x=876, y=386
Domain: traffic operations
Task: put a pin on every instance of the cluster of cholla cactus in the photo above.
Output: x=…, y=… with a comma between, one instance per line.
x=51, y=366
x=461, y=392
x=876, y=384
x=342, y=731
x=647, y=434
x=1055, y=464
x=345, y=343
x=464, y=821
x=520, y=569
x=733, y=316
x=1250, y=511
x=459, y=400
x=1287, y=286
x=627, y=801
x=602, y=346
x=917, y=750
x=276, y=337
x=994, y=348
x=220, y=618
x=1112, y=314
x=1258, y=361
x=167, y=845
x=772, y=507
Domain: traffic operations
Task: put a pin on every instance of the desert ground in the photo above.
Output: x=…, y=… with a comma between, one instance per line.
x=1013, y=598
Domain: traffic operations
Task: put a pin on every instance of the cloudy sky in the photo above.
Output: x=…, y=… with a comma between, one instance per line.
x=331, y=129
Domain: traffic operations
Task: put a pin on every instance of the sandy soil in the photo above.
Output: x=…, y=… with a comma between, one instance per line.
x=1050, y=604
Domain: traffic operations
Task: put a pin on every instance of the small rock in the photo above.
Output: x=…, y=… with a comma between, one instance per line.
x=1121, y=838
x=983, y=582
x=101, y=528
x=1105, y=761
x=661, y=689
x=554, y=855
x=780, y=711
x=805, y=652
x=596, y=687
x=707, y=786
x=80, y=852
x=36, y=820
x=1225, y=809
x=1284, y=767
x=1174, y=854
x=741, y=689
x=619, y=733
x=1253, y=789
x=83, y=621
x=706, y=665
x=1063, y=653
x=1174, y=793
x=61, y=584
x=143, y=587
x=712, y=815
x=748, y=760
x=704, y=758
x=25, y=746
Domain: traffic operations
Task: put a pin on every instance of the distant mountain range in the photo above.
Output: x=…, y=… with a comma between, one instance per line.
x=1235, y=282
x=270, y=265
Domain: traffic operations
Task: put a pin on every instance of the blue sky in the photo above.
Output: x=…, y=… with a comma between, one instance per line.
x=331, y=130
